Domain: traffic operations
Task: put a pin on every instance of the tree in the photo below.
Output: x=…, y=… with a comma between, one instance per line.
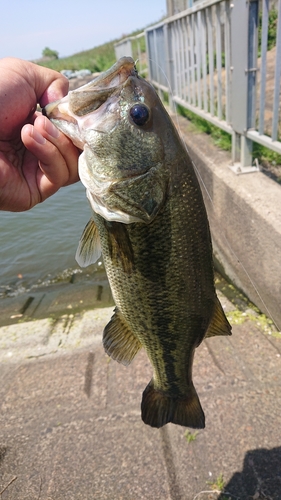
x=52, y=54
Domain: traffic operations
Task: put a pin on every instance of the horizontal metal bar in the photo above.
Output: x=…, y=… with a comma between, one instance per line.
x=191, y=10
x=159, y=86
x=264, y=140
x=138, y=36
x=207, y=116
x=143, y=71
x=129, y=38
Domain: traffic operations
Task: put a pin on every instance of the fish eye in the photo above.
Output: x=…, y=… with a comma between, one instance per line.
x=139, y=114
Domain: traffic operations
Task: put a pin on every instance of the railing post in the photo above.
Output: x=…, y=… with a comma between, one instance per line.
x=123, y=48
x=148, y=57
x=169, y=63
x=244, y=35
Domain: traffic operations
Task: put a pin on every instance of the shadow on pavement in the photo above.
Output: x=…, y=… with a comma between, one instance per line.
x=259, y=479
x=3, y=451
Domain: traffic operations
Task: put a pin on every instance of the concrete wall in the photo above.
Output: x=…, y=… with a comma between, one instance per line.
x=245, y=218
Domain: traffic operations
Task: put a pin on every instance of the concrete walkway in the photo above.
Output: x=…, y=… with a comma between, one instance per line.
x=71, y=426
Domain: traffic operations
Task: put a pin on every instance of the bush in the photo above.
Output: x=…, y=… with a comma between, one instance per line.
x=272, y=29
x=97, y=59
x=52, y=54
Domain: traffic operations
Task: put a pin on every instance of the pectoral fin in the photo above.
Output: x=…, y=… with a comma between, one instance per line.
x=218, y=324
x=89, y=247
x=120, y=246
x=118, y=340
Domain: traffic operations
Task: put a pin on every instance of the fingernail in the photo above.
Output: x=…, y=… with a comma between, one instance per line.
x=51, y=129
x=38, y=137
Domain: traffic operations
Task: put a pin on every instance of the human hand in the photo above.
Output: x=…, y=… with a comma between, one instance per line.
x=35, y=158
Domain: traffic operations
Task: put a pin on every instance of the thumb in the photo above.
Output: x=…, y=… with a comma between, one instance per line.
x=49, y=84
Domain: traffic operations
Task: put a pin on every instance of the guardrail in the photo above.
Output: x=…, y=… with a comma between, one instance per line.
x=207, y=59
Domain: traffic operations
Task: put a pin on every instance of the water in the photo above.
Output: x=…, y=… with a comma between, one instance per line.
x=38, y=246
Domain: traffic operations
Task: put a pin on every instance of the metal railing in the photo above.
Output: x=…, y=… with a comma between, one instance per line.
x=207, y=59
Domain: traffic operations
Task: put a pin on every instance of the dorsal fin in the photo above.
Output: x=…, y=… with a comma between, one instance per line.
x=119, y=341
x=89, y=247
x=218, y=324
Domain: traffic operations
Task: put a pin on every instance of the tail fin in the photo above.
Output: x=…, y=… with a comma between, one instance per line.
x=159, y=409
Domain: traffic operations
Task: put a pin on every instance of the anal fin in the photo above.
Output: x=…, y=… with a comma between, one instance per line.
x=219, y=324
x=158, y=409
x=119, y=341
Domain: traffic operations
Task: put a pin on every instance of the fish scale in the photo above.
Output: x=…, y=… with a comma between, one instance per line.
x=150, y=224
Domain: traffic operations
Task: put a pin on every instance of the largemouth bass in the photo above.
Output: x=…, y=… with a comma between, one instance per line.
x=150, y=223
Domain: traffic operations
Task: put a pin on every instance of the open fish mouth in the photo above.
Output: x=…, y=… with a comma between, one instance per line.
x=90, y=97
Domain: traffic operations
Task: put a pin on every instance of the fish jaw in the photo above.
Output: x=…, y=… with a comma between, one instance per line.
x=119, y=156
x=71, y=113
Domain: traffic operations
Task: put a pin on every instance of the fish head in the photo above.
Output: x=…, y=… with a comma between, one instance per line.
x=117, y=120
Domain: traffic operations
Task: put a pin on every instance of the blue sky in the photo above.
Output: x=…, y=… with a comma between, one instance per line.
x=70, y=26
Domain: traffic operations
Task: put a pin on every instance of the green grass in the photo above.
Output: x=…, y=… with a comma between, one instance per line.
x=218, y=484
x=272, y=30
x=190, y=436
x=96, y=59
x=221, y=139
